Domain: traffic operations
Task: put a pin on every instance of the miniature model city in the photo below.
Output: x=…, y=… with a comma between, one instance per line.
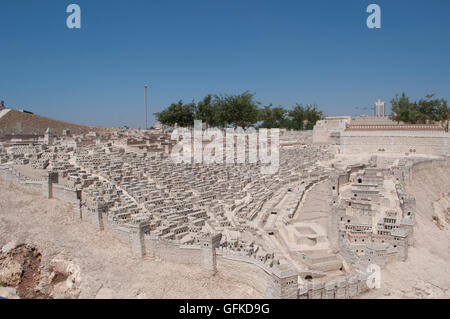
x=125, y=182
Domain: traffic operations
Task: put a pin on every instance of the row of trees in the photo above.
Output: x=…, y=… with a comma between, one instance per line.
x=424, y=111
x=239, y=110
x=298, y=118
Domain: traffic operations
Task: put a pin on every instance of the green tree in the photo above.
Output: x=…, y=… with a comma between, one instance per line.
x=273, y=117
x=177, y=113
x=313, y=114
x=425, y=110
x=403, y=110
x=433, y=110
x=206, y=111
x=443, y=114
x=297, y=116
x=237, y=110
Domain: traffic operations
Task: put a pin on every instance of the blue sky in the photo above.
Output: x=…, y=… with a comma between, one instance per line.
x=285, y=52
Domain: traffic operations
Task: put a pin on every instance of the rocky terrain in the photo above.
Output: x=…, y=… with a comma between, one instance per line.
x=13, y=121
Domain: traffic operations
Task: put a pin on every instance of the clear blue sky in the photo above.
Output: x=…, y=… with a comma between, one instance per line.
x=284, y=51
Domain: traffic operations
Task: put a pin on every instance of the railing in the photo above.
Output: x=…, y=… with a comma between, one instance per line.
x=416, y=127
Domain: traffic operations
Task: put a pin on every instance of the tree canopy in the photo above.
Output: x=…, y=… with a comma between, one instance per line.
x=182, y=114
x=244, y=111
x=425, y=110
x=298, y=118
x=239, y=110
x=272, y=116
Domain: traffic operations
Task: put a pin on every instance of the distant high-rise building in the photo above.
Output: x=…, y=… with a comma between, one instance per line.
x=380, y=108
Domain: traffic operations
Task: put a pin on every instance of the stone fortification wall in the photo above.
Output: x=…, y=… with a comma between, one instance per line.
x=418, y=142
x=372, y=120
x=173, y=251
x=264, y=278
x=65, y=193
x=15, y=177
x=330, y=125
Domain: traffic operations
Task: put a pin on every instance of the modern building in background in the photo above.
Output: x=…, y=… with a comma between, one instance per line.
x=380, y=108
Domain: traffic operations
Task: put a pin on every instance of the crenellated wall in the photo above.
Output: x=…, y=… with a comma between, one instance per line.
x=345, y=288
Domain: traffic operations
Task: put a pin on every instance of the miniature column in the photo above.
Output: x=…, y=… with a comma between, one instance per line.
x=362, y=283
x=52, y=177
x=352, y=286
x=303, y=291
x=330, y=288
x=80, y=210
x=408, y=206
x=316, y=291
x=98, y=215
x=209, y=244
x=341, y=290
x=79, y=204
x=401, y=240
x=334, y=185
x=138, y=239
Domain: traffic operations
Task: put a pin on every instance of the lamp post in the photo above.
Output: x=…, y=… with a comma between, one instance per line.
x=146, y=107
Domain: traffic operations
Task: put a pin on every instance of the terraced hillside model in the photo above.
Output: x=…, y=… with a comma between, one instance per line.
x=18, y=122
x=116, y=215
x=426, y=273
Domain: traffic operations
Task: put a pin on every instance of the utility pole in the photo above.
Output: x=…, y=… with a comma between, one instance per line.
x=146, y=107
